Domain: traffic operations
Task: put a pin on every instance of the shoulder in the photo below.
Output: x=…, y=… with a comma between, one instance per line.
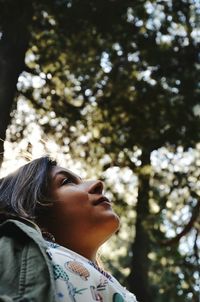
x=17, y=237
x=22, y=228
x=23, y=259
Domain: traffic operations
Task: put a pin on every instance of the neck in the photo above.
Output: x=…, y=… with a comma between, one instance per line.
x=89, y=254
x=85, y=250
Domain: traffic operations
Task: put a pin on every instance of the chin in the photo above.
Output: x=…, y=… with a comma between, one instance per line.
x=114, y=224
x=117, y=220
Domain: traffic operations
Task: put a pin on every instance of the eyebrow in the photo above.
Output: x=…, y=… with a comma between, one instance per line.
x=66, y=173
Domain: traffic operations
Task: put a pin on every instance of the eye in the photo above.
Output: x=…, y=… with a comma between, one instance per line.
x=66, y=181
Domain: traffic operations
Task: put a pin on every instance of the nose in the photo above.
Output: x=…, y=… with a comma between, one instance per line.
x=96, y=187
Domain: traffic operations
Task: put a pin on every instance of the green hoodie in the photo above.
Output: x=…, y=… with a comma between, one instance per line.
x=25, y=270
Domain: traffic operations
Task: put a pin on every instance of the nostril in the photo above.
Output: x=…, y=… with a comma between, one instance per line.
x=96, y=188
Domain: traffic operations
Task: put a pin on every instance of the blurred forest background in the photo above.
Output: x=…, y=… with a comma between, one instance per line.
x=112, y=88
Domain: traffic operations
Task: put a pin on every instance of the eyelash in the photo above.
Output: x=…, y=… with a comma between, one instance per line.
x=66, y=180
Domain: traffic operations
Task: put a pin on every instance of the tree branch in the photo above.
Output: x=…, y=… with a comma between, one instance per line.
x=186, y=229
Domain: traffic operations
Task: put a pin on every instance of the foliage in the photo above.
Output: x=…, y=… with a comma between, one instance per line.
x=121, y=81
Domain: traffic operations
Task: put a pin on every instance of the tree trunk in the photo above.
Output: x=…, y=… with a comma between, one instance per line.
x=16, y=16
x=138, y=278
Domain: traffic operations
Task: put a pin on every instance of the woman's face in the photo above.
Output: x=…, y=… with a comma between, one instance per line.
x=79, y=207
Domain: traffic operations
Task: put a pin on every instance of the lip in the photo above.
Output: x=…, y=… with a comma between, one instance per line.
x=101, y=200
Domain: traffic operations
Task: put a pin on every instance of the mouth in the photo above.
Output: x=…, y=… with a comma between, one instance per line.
x=101, y=200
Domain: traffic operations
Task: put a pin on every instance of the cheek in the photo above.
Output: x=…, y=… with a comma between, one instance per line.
x=70, y=196
x=69, y=205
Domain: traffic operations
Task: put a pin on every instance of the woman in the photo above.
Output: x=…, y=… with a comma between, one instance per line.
x=52, y=225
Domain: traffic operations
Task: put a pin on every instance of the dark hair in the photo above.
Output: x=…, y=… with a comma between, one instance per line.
x=26, y=190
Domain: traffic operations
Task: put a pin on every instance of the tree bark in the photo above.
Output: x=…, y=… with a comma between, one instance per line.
x=16, y=16
x=138, y=278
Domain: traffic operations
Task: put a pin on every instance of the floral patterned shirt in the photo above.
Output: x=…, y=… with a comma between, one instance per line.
x=78, y=279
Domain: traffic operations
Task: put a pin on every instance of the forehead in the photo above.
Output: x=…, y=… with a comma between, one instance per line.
x=57, y=170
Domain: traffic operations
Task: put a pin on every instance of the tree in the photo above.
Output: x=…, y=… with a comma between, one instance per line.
x=143, y=100
x=112, y=81
x=15, y=17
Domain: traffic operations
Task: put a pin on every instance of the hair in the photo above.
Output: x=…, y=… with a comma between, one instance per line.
x=25, y=191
